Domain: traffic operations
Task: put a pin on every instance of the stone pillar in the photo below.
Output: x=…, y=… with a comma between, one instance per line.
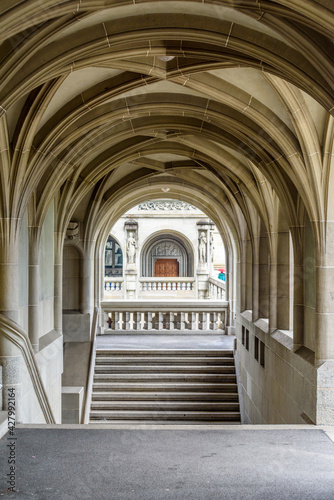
x=131, y=269
x=10, y=356
x=58, y=283
x=33, y=310
x=87, y=296
x=9, y=276
x=298, y=285
x=324, y=329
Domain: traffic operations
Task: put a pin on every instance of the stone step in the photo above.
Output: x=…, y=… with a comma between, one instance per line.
x=165, y=406
x=161, y=396
x=164, y=352
x=165, y=415
x=184, y=360
x=165, y=387
x=142, y=369
x=165, y=377
x=140, y=423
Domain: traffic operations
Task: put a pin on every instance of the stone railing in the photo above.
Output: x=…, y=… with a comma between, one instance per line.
x=167, y=285
x=216, y=289
x=113, y=284
x=153, y=316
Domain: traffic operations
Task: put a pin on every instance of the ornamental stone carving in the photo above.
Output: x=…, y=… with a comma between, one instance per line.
x=166, y=206
x=166, y=249
x=72, y=232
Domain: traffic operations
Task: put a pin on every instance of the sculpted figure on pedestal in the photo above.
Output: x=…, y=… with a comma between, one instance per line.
x=131, y=246
x=202, y=248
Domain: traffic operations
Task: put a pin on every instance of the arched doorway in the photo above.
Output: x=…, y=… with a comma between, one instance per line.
x=167, y=255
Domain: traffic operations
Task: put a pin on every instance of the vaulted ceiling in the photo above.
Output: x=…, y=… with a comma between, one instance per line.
x=229, y=103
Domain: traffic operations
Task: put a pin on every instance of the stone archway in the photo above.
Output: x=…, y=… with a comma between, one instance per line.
x=166, y=246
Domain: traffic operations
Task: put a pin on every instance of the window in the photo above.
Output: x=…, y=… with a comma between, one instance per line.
x=113, y=258
x=256, y=348
x=262, y=354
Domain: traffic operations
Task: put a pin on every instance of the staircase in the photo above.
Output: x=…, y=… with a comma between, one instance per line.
x=183, y=386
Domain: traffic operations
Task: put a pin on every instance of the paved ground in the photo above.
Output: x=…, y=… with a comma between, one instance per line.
x=110, y=464
x=151, y=341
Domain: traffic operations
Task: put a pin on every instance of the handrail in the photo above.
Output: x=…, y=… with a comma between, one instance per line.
x=219, y=283
x=17, y=336
x=89, y=383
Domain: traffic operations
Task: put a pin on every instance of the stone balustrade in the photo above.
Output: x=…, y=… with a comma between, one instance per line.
x=167, y=284
x=155, y=316
x=216, y=289
x=113, y=287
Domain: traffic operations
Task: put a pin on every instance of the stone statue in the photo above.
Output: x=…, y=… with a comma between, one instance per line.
x=212, y=247
x=131, y=246
x=202, y=248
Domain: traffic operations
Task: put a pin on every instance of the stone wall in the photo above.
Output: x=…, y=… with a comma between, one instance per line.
x=283, y=391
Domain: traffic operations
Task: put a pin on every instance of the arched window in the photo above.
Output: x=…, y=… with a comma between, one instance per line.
x=113, y=258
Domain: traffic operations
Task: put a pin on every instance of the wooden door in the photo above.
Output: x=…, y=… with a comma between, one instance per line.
x=166, y=268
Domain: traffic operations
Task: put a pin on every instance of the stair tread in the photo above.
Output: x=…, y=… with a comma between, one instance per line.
x=159, y=352
x=166, y=415
x=175, y=422
x=168, y=405
x=152, y=376
x=164, y=360
x=163, y=368
x=166, y=385
x=97, y=396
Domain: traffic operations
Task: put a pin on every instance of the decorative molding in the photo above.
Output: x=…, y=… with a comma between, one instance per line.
x=167, y=206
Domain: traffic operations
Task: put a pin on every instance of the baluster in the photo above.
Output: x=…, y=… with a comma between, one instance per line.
x=213, y=321
x=169, y=286
x=203, y=319
x=158, y=321
x=164, y=286
x=125, y=320
x=115, y=319
x=191, y=321
x=223, y=320
x=137, y=320
x=170, y=321
x=148, y=321
x=180, y=321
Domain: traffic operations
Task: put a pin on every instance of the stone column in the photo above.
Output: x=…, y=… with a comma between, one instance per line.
x=10, y=356
x=58, y=282
x=87, y=297
x=279, y=279
x=9, y=276
x=33, y=310
x=324, y=328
